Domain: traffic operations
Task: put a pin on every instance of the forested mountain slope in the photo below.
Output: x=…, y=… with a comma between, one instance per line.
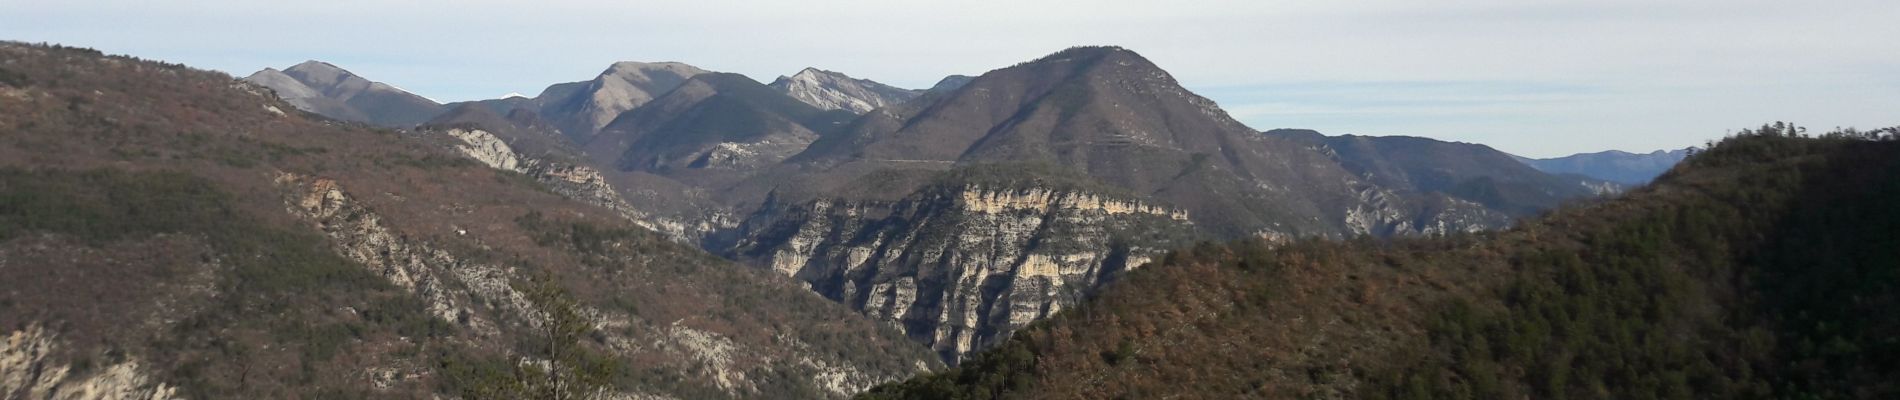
x=1765, y=267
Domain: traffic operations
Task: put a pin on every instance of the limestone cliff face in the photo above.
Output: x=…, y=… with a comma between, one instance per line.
x=29, y=371
x=960, y=267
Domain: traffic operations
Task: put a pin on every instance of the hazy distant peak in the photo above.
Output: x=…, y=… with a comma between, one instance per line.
x=285, y=85
x=815, y=76
x=831, y=90
x=722, y=78
x=810, y=71
x=320, y=74
x=813, y=73
x=952, y=82
x=625, y=68
x=332, y=91
x=623, y=86
x=1613, y=165
x=314, y=64
x=1090, y=54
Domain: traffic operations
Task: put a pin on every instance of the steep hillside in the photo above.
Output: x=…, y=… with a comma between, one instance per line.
x=1614, y=165
x=836, y=91
x=167, y=232
x=1762, y=268
x=333, y=92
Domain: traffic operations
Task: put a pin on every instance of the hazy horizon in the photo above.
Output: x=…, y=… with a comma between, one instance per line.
x=1538, y=80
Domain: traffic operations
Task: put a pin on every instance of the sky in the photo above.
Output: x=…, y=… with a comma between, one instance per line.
x=1534, y=78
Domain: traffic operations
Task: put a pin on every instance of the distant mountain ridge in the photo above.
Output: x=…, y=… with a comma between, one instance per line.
x=968, y=213
x=625, y=85
x=1465, y=171
x=963, y=212
x=1613, y=165
x=332, y=91
x=713, y=120
x=829, y=90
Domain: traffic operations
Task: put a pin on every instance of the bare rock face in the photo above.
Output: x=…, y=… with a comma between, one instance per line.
x=27, y=371
x=829, y=90
x=960, y=267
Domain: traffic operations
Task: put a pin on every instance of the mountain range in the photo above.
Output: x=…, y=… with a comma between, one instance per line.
x=1053, y=228
x=1613, y=165
x=909, y=204
x=192, y=236
x=322, y=88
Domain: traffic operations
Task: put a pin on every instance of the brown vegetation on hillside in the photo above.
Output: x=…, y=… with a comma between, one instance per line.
x=145, y=215
x=1763, y=267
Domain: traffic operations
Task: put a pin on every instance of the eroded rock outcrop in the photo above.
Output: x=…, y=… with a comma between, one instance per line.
x=452, y=286
x=962, y=266
x=28, y=370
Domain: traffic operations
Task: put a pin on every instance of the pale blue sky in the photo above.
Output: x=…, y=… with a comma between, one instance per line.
x=1541, y=78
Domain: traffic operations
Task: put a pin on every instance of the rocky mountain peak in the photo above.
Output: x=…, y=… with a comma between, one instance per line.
x=287, y=87
x=649, y=71
x=322, y=75
x=830, y=90
x=334, y=92
x=1063, y=105
x=623, y=86
x=1087, y=53
x=950, y=83
x=813, y=73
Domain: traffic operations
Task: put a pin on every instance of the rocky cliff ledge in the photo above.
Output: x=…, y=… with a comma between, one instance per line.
x=961, y=266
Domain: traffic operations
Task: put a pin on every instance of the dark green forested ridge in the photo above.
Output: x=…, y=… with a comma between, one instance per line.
x=1763, y=267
